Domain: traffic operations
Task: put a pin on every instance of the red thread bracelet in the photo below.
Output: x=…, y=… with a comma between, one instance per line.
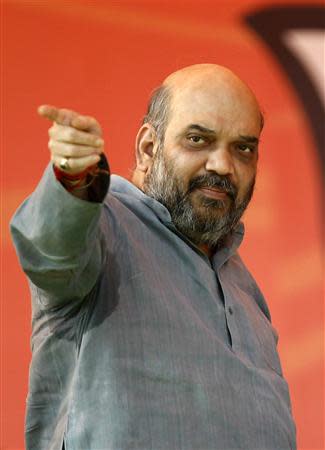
x=74, y=181
x=60, y=175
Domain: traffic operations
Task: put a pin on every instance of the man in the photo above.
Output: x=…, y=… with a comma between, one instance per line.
x=148, y=330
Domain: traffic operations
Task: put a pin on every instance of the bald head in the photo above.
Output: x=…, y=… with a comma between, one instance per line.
x=198, y=74
x=217, y=82
x=210, y=78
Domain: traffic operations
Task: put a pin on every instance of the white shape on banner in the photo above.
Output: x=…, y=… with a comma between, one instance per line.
x=309, y=48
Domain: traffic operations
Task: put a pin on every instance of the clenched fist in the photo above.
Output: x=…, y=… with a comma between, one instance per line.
x=75, y=140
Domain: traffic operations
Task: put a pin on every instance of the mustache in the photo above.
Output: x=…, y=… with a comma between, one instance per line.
x=222, y=183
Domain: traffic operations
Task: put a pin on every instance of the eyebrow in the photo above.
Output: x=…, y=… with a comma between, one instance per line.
x=196, y=126
x=249, y=139
x=202, y=129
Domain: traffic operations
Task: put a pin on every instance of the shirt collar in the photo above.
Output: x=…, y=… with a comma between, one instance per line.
x=122, y=186
x=230, y=246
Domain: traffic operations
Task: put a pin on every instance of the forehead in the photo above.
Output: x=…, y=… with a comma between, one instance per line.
x=222, y=108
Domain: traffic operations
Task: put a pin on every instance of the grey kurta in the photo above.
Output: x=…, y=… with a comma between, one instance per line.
x=139, y=342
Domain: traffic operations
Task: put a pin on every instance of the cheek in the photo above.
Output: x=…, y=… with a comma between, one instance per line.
x=246, y=177
x=186, y=167
x=190, y=164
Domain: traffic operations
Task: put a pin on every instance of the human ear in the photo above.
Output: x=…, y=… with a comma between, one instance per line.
x=145, y=147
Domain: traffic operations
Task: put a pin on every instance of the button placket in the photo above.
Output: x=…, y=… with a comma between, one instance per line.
x=230, y=316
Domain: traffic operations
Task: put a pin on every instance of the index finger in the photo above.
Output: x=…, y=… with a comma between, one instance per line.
x=86, y=123
x=70, y=118
x=58, y=115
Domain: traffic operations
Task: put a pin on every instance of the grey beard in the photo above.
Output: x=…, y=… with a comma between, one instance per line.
x=163, y=185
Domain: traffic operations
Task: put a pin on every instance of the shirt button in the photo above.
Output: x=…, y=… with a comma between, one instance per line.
x=231, y=311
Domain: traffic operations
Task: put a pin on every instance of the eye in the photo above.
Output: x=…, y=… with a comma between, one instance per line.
x=244, y=148
x=196, y=139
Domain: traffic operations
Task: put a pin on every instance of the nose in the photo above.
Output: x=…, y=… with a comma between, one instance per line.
x=220, y=161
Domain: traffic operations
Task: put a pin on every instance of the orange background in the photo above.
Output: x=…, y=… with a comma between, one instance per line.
x=103, y=58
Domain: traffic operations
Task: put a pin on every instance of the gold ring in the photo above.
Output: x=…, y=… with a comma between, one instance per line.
x=64, y=164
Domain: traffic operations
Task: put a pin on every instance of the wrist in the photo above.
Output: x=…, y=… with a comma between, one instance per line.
x=76, y=181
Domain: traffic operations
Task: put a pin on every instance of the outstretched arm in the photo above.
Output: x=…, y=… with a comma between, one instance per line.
x=56, y=234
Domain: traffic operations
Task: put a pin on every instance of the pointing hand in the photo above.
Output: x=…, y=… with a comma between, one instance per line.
x=75, y=140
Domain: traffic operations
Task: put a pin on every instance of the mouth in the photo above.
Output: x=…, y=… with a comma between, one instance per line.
x=214, y=193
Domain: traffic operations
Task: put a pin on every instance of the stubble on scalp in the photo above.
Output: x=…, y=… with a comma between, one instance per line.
x=158, y=111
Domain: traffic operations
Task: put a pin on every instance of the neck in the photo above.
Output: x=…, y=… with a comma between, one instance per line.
x=209, y=251
x=137, y=179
